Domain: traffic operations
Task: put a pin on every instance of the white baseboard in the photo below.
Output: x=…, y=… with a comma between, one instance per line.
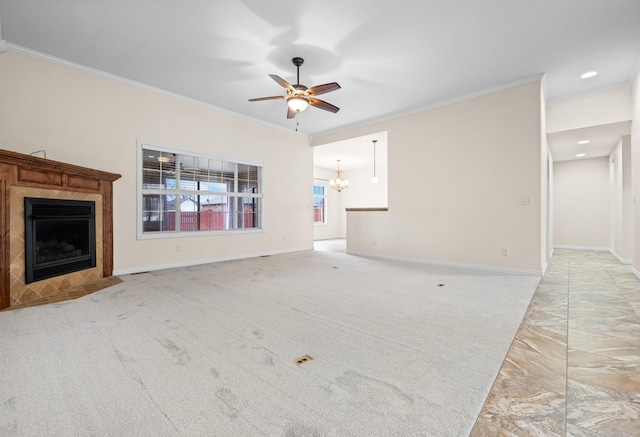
x=599, y=249
x=453, y=264
x=140, y=269
x=619, y=258
x=635, y=272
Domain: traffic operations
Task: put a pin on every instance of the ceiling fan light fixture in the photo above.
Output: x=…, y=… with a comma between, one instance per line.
x=298, y=96
x=297, y=103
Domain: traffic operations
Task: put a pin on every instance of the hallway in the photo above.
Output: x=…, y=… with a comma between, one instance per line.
x=574, y=366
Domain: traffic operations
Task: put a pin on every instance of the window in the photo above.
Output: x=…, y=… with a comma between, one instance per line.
x=182, y=192
x=319, y=204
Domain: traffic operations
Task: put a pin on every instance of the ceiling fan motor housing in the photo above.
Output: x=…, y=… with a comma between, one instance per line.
x=299, y=89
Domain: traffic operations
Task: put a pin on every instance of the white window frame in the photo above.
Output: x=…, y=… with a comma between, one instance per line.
x=141, y=235
x=322, y=183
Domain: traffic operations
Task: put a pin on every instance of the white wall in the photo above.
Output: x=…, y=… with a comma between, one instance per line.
x=457, y=176
x=581, y=203
x=87, y=119
x=594, y=109
x=360, y=194
x=335, y=226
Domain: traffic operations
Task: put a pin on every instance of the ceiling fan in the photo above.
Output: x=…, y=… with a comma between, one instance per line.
x=298, y=96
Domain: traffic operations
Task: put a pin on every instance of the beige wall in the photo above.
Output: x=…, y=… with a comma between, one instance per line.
x=581, y=203
x=86, y=119
x=621, y=211
x=615, y=197
x=458, y=174
x=626, y=248
x=550, y=201
x=545, y=187
x=635, y=157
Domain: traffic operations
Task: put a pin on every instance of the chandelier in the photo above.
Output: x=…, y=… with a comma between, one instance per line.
x=338, y=183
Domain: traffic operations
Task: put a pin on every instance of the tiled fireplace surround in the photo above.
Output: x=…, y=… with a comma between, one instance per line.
x=27, y=176
x=21, y=293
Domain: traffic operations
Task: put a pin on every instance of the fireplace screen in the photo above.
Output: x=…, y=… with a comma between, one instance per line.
x=60, y=237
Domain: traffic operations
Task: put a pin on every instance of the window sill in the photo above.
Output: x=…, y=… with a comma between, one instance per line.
x=167, y=234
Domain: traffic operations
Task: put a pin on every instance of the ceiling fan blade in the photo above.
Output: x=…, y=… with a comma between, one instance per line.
x=283, y=83
x=322, y=89
x=291, y=113
x=266, y=98
x=323, y=105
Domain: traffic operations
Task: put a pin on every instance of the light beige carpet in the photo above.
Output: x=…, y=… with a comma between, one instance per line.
x=398, y=349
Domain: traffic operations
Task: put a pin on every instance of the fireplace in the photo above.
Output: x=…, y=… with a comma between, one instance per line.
x=60, y=237
x=25, y=176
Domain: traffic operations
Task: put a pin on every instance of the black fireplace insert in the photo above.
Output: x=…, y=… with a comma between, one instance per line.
x=60, y=237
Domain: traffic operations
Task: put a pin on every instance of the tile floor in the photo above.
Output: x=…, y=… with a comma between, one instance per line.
x=71, y=293
x=574, y=367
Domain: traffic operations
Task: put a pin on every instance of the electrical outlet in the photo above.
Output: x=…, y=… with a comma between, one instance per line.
x=505, y=251
x=527, y=201
x=177, y=248
x=374, y=242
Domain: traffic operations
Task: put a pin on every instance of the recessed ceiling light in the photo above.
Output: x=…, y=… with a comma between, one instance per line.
x=580, y=155
x=588, y=74
x=583, y=142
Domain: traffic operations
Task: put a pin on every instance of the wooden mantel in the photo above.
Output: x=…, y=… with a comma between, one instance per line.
x=17, y=169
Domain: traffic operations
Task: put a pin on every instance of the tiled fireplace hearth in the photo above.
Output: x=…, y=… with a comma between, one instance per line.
x=24, y=176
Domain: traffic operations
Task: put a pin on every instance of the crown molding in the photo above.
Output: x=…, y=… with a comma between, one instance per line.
x=133, y=83
x=461, y=98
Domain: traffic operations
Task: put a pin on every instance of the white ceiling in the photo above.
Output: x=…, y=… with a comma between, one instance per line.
x=389, y=57
x=353, y=154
